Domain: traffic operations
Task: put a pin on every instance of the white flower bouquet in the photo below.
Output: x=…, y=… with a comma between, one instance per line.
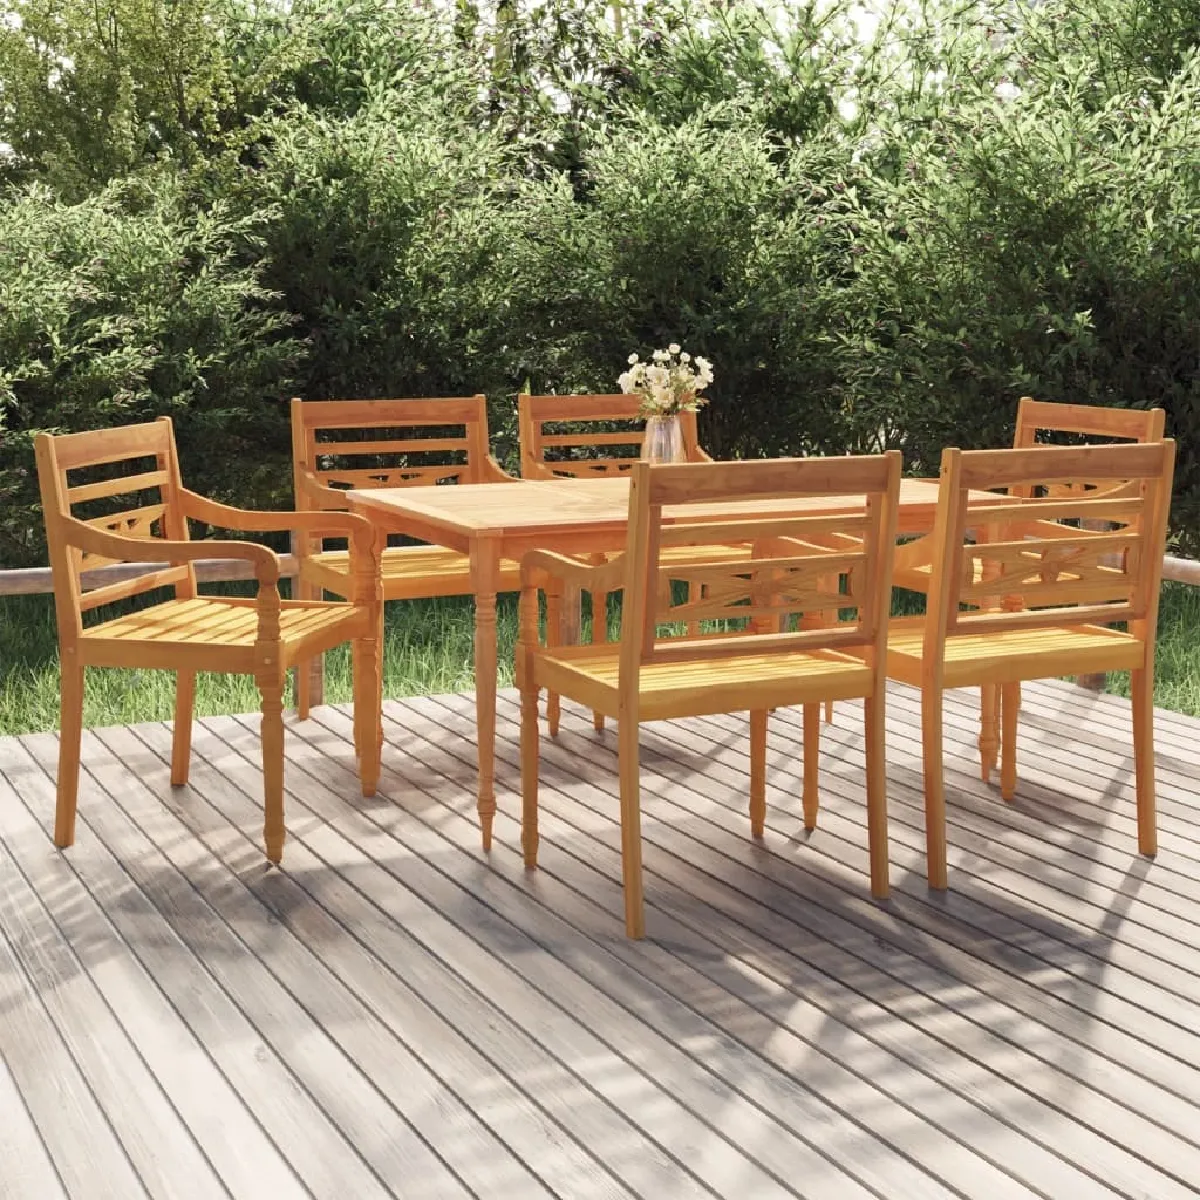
x=670, y=383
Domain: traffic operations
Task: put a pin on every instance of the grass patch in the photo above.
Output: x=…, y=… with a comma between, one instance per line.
x=429, y=650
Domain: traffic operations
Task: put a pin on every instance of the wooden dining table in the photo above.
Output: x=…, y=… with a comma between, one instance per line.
x=494, y=521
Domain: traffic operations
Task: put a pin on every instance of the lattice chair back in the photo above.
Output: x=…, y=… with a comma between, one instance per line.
x=1037, y=418
x=744, y=605
x=342, y=444
x=1075, y=536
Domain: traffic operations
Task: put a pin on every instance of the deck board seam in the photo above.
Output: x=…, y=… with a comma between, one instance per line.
x=961, y=896
x=1014, y=879
x=34, y=990
x=1173, y=1134
x=304, y=1007
x=700, y=934
x=970, y=823
x=1071, y=1165
x=922, y=900
x=373, y=954
x=215, y=982
x=599, y=945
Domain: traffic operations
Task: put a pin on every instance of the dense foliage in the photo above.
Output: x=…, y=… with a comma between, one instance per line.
x=878, y=238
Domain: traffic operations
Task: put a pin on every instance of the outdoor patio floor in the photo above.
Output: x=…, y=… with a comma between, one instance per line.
x=396, y=1014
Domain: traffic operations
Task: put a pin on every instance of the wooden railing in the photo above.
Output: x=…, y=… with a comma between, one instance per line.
x=34, y=581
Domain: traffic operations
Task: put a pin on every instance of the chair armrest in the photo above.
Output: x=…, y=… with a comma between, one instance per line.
x=344, y=524
x=319, y=496
x=129, y=549
x=493, y=472
x=537, y=564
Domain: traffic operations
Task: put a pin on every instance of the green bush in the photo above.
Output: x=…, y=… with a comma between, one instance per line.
x=126, y=306
x=878, y=243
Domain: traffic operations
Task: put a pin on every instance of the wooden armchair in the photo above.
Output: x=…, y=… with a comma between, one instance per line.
x=657, y=672
x=1076, y=544
x=343, y=444
x=262, y=637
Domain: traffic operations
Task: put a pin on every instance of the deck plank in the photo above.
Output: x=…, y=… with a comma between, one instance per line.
x=28, y=1169
x=865, y=1149
x=1118, y=1085
x=412, y=1000
x=398, y=1014
x=225, y=1130
x=596, y=961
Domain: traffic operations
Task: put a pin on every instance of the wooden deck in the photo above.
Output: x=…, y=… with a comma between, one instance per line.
x=393, y=1015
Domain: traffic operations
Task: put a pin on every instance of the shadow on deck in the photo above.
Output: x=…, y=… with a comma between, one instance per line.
x=393, y=1014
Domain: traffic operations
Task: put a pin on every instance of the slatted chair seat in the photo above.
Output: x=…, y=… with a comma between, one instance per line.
x=1015, y=654
x=343, y=444
x=591, y=674
x=414, y=572
x=187, y=633
x=750, y=662
x=221, y=630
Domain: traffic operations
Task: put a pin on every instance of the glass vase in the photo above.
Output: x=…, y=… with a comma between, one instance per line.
x=663, y=442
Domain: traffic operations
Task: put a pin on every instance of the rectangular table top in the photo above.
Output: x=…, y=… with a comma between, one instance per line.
x=595, y=505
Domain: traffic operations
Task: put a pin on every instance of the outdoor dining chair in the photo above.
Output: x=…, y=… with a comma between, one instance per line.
x=342, y=444
x=1027, y=588
x=660, y=670
x=143, y=518
x=580, y=444
x=1036, y=420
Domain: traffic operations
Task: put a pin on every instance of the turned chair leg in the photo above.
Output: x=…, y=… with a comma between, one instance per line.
x=271, y=691
x=989, y=729
x=70, y=740
x=181, y=737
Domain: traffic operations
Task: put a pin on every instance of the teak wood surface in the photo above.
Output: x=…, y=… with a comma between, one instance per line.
x=571, y=516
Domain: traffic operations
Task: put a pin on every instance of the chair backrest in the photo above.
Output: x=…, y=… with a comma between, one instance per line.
x=343, y=444
x=776, y=507
x=130, y=487
x=572, y=450
x=1043, y=553
x=1086, y=420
